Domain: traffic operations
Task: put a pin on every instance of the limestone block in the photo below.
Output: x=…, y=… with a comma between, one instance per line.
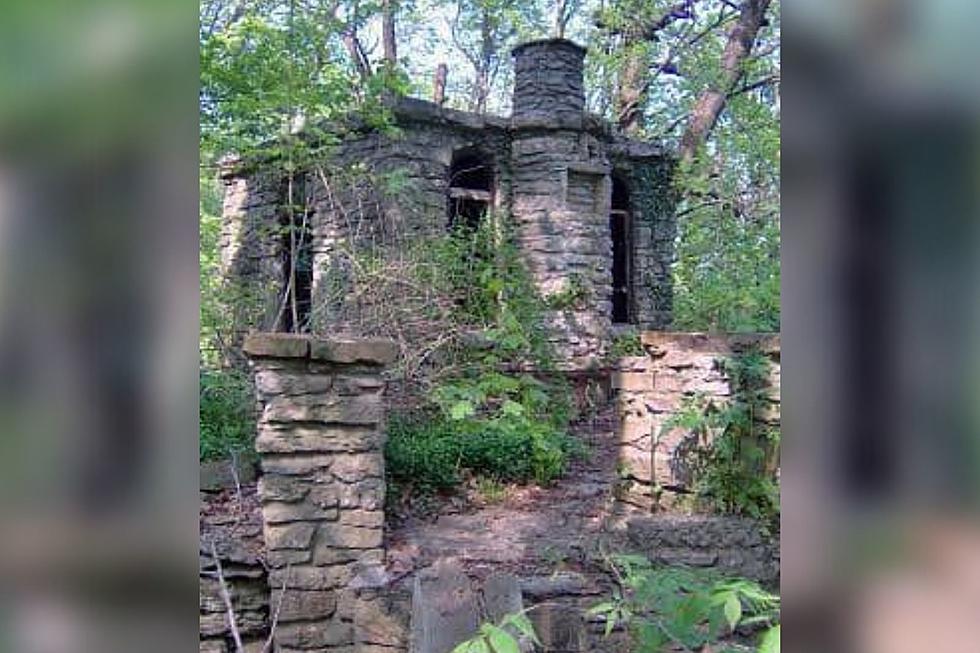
x=351, y=468
x=327, y=439
x=294, y=465
x=378, y=622
x=213, y=646
x=276, y=345
x=328, y=410
x=273, y=487
x=317, y=634
x=350, y=537
x=296, y=605
x=311, y=578
x=362, y=518
x=370, y=352
x=445, y=609
x=275, y=512
x=291, y=536
x=286, y=557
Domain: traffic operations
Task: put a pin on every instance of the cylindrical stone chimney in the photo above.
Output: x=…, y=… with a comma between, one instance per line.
x=548, y=88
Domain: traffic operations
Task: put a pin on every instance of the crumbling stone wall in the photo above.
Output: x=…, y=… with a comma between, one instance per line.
x=552, y=174
x=652, y=387
x=320, y=440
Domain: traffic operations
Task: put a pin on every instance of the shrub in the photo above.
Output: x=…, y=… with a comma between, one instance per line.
x=735, y=460
x=667, y=607
x=227, y=414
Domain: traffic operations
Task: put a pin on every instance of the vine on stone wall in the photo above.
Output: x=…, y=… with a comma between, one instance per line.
x=735, y=461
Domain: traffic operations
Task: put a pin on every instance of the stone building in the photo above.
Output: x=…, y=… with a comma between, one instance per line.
x=592, y=210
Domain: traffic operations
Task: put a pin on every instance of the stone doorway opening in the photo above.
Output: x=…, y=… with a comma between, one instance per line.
x=620, y=229
x=296, y=259
x=470, y=188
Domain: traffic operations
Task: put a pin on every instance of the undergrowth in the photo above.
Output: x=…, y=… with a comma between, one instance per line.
x=735, y=457
x=488, y=415
x=227, y=418
x=679, y=608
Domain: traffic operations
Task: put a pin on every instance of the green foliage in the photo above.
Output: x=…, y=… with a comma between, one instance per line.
x=625, y=344
x=665, y=607
x=571, y=296
x=484, y=415
x=227, y=415
x=501, y=638
x=735, y=457
x=727, y=272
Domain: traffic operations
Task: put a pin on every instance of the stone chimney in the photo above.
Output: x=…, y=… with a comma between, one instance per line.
x=548, y=88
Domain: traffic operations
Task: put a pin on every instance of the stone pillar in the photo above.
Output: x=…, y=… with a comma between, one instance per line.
x=548, y=85
x=320, y=443
x=561, y=195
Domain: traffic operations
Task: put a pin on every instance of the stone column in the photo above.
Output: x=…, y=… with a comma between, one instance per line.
x=320, y=443
x=561, y=196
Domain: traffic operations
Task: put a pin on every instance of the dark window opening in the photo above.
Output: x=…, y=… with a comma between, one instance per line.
x=620, y=229
x=296, y=245
x=470, y=189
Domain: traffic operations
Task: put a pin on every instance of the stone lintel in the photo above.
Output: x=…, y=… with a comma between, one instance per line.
x=371, y=351
x=768, y=343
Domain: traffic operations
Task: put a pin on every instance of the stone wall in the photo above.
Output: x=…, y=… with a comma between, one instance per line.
x=320, y=441
x=552, y=165
x=650, y=388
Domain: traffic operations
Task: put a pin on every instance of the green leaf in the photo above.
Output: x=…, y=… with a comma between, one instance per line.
x=770, y=641
x=512, y=408
x=502, y=642
x=733, y=610
x=461, y=410
x=523, y=625
x=602, y=608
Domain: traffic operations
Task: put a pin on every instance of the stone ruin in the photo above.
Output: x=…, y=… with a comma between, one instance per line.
x=321, y=559
x=593, y=210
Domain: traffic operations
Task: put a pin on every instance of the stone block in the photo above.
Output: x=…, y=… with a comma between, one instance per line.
x=273, y=487
x=276, y=345
x=302, y=605
x=290, y=536
x=281, y=513
x=368, y=352
x=300, y=464
x=213, y=646
x=377, y=622
x=349, y=537
x=311, y=578
x=632, y=381
x=286, y=439
x=286, y=557
x=365, y=409
x=362, y=518
x=351, y=468
x=316, y=634
x=445, y=609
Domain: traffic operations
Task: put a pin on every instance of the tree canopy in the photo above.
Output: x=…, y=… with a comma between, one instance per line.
x=702, y=76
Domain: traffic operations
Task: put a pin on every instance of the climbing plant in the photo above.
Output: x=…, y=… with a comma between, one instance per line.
x=735, y=459
x=481, y=409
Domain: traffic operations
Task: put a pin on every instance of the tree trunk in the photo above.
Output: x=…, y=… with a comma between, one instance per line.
x=482, y=86
x=632, y=92
x=711, y=102
x=388, y=32
x=439, y=88
x=356, y=52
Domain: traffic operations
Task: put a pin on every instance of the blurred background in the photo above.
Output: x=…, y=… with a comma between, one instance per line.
x=880, y=317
